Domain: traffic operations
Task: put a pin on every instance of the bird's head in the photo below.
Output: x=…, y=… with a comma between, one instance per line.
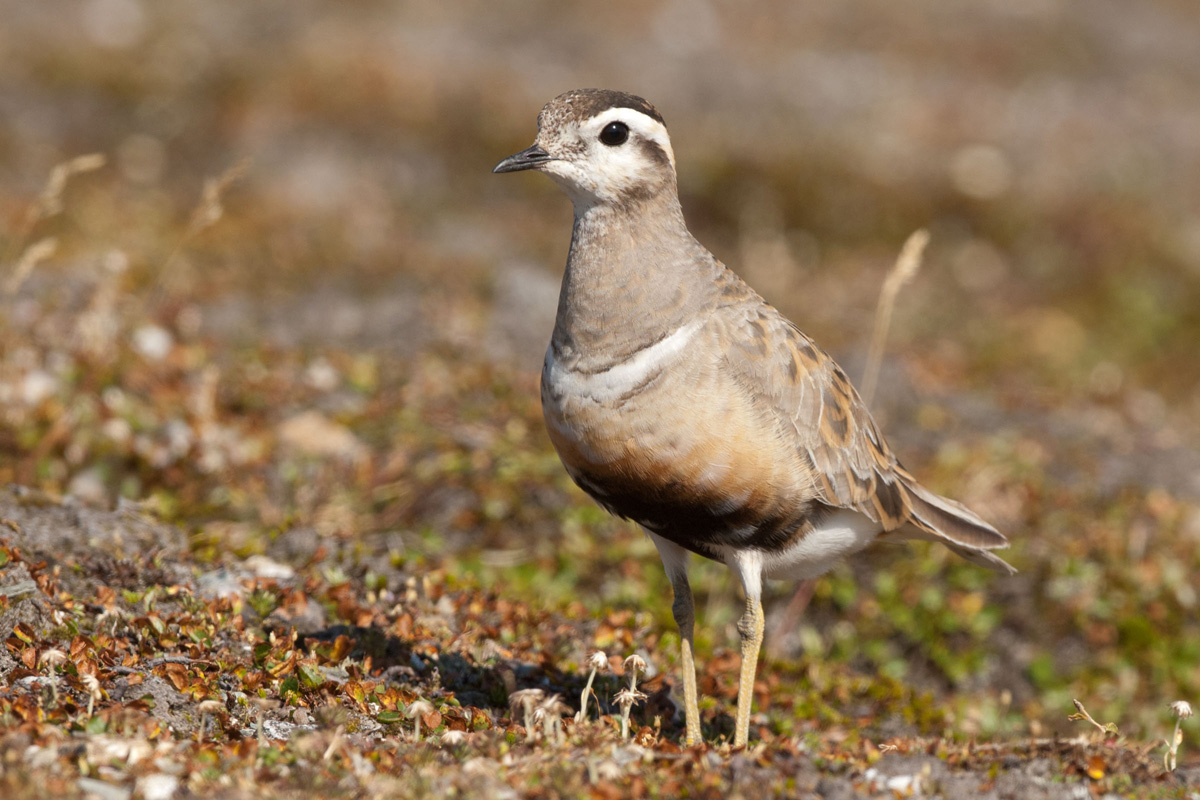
x=602, y=147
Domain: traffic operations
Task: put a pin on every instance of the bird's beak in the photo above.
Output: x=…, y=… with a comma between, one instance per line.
x=529, y=158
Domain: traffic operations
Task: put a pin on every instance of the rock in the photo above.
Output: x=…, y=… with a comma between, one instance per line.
x=46, y=527
x=157, y=786
x=105, y=791
x=153, y=342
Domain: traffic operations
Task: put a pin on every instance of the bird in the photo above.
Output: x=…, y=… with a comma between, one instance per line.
x=678, y=398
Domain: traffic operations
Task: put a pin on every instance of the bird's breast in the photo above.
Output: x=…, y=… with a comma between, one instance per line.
x=664, y=438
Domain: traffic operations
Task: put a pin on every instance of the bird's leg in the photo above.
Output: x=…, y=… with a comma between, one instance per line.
x=751, y=628
x=674, y=560
x=685, y=617
x=748, y=566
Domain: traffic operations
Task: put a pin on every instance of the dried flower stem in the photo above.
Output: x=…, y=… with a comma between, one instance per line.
x=1108, y=727
x=263, y=704
x=634, y=663
x=1182, y=711
x=207, y=708
x=52, y=659
x=416, y=710
x=598, y=661
x=583, y=698
x=625, y=699
x=92, y=684
x=526, y=699
x=453, y=738
x=335, y=743
x=551, y=711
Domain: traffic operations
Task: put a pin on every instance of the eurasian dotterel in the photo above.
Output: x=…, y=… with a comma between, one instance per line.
x=678, y=398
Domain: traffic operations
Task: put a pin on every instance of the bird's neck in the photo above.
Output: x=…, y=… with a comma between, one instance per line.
x=633, y=276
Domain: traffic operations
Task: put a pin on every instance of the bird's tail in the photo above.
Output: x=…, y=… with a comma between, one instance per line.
x=939, y=519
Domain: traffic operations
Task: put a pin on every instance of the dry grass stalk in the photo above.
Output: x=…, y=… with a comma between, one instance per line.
x=206, y=213
x=907, y=265
x=36, y=253
x=49, y=203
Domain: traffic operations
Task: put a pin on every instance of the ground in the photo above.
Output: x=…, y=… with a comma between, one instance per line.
x=133, y=671
x=276, y=472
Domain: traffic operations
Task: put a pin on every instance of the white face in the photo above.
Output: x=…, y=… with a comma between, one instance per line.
x=615, y=156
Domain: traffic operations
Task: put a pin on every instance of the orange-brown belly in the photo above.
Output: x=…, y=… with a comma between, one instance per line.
x=695, y=465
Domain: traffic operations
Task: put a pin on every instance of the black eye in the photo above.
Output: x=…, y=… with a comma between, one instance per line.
x=614, y=133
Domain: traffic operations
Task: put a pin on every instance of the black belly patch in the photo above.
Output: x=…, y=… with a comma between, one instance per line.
x=703, y=528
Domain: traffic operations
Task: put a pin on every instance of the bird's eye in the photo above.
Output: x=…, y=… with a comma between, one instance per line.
x=614, y=133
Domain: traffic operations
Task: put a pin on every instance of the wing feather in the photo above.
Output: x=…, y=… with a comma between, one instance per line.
x=813, y=401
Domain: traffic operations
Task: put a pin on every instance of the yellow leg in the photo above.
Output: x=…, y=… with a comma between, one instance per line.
x=684, y=612
x=751, y=628
x=691, y=706
x=674, y=560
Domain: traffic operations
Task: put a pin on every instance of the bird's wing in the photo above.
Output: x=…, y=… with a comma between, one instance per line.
x=814, y=403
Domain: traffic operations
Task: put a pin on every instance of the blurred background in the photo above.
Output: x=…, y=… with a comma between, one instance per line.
x=256, y=275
